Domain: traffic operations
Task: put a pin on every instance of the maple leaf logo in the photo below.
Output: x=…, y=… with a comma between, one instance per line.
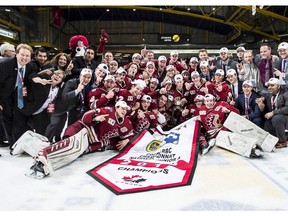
x=134, y=178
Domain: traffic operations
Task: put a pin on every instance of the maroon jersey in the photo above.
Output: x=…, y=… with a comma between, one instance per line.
x=221, y=91
x=178, y=95
x=154, y=95
x=201, y=90
x=126, y=84
x=213, y=119
x=97, y=99
x=125, y=95
x=149, y=121
x=177, y=65
x=105, y=135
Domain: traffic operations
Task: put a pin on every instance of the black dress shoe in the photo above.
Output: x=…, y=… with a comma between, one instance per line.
x=4, y=143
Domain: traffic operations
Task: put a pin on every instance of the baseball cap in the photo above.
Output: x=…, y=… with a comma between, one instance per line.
x=103, y=67
x=122, y=104
x=223, y=49
x=109, y=77
x=220, y=71
x=194, y=59
x=136, y=55
x=146, y=98
x=154, y=80
x=231, y=71
x=283, y=45
x=209, y=97
x=166, y=82
x=85, y=71
x=121, y=70
x=178, y=77
x=199, y=98
x=162, y=58
x=169, y=67
x=184, y=71
x=150, y=63
x=247, y=82
x=139, y=82
x=194, y=73
x=173, y=52
x=240, y=48
x=272, y=81
x=204, y=64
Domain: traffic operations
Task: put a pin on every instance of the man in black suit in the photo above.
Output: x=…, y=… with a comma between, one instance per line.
x=275, y=109
x=73, y=102
x=7, y=51
x=247, y=106
x=234, y=84
x=266, y=63
x=11, y=75
x=224, y=62
x=282, y=72
x=45, y=94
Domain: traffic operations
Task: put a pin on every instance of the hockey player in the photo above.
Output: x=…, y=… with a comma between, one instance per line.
x=102, y=129
x=212, y=116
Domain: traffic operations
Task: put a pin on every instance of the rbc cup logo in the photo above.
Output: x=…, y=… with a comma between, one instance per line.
x=172, y=138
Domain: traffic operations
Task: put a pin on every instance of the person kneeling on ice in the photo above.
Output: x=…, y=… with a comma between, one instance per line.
x=212, y=115
x=105, y=128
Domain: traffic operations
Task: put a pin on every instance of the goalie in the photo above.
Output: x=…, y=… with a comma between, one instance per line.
x=102, y=129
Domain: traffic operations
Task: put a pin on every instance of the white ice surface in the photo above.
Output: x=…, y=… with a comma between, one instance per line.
x=222, y=181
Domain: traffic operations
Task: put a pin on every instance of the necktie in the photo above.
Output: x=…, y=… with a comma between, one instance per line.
x=82, y=94
x=246, y=105
x=232, y=89
x=273, y=102
x=20, y=89
x=224, y=68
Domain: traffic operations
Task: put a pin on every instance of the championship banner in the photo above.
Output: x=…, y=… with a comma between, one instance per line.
x=150, y=163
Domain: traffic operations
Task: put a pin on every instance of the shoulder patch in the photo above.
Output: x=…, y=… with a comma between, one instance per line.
x=111, y=121
x=203, y=112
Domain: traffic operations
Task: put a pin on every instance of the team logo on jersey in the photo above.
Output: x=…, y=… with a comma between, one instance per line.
x=130, y=98
x=123, y=129
x=203, y=112
x=138, y=96
x=152, y=117
x=111, y=121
